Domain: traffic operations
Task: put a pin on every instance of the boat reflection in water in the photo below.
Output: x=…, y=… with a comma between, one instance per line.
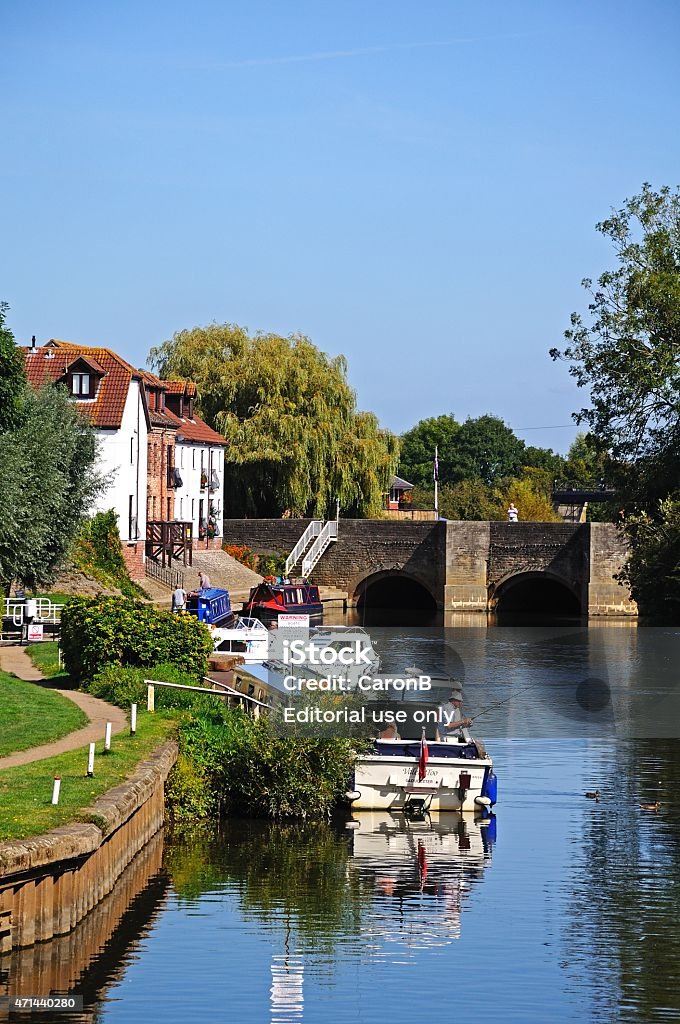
x=422, y=872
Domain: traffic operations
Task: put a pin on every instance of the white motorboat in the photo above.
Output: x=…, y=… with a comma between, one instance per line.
x=248, y=638
x=416, y=776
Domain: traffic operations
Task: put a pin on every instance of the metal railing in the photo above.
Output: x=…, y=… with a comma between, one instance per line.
x=171, y=578
x=45, y=610
x=328, y=534
x=312, y=531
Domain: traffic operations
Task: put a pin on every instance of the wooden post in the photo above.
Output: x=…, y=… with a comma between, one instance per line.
x=107, y=738
x=150, y=698
x=90, y=761
x=56, y=786
x=133, y=719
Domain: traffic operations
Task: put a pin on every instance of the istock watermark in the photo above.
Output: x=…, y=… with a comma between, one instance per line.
x=598, y=682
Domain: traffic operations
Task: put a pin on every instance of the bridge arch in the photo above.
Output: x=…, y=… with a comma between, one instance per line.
x=536, y=592
x=393, y=588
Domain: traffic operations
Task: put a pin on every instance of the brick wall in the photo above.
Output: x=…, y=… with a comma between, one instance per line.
x=134, y=560
x=161, y=454
x=560, y=548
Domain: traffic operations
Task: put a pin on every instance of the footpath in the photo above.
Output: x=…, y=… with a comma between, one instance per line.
x=14, y=659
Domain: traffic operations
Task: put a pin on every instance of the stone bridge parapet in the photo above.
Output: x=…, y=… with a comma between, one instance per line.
x=463, y=566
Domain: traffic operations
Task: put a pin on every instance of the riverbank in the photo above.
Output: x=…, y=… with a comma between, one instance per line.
x=49, y=883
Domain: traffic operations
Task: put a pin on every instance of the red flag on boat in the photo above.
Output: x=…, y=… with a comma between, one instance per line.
x=422, y=760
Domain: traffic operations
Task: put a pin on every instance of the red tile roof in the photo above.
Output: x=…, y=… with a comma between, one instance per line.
x=50, y=363
x=199, y=432
x=180, y=387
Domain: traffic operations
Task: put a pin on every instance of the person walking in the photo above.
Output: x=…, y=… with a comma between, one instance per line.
x=513, y=514
x=179, y=599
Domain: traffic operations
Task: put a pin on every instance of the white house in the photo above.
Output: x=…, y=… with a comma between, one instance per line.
x=110, y=392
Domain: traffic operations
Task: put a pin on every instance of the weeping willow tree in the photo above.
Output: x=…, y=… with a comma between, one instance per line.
x=296, y=441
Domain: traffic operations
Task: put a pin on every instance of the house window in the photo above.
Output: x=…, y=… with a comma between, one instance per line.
x=132, y=450
x=193, y=506
x=80, y=384
x=169, y=500
x=193, y=458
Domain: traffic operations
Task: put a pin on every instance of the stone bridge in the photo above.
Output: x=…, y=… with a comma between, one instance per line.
x=558, y=568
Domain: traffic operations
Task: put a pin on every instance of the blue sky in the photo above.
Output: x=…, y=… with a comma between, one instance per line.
x=412, y=184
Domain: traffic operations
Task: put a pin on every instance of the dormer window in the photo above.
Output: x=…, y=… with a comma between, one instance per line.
x=81, y=384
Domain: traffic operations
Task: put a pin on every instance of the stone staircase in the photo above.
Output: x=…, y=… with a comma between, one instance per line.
x=224, y=571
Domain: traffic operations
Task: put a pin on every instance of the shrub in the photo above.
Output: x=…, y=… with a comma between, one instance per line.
x=253, y=773
x=123, y=686
x=103, y=631
x=97, y=552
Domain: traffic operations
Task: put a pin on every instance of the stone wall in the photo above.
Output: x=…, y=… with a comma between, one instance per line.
x=607, y=552
x=462, y=564
x=49, y=883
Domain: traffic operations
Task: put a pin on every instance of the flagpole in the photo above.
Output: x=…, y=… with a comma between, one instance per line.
x=436, y=478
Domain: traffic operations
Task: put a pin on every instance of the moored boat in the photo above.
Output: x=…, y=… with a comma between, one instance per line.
x=418, y=776
x=274, y=597
x=211, y=606
x=247, y=637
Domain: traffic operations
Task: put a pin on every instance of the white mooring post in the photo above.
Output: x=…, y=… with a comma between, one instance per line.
x=150, y=698
x=107, y=738
x=133, y=719
x=90, y=761
x=56, y=786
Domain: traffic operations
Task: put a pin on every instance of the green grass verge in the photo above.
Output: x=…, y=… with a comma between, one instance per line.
x=45, y=657
x=26, y=791
x=31, y=715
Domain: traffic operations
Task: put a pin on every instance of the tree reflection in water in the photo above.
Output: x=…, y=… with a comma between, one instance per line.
x=623, y=929
x=388, y=881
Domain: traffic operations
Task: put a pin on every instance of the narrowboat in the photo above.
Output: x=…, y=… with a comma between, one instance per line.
x=212, y=606
x=274, y=597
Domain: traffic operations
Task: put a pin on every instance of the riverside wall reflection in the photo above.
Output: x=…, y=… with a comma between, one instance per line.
x=92, y=957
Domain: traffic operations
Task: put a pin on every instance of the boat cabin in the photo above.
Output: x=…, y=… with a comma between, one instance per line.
x=275, y=596
x=211, y=606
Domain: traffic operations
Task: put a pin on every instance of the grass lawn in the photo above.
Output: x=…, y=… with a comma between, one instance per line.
x=31, y=715
x=46, y=658
x=26, y=792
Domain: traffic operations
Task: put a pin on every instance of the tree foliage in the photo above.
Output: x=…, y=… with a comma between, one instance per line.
x=481, y=449
x=47, y=483
x=416, y=461
x=626, y=351
x=653, y=568
x=296, y=441
x=12, y=376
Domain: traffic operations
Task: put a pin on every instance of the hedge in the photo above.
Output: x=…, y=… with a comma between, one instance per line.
x=101, y=631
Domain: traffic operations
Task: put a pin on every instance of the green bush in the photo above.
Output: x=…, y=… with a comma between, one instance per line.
x=250, y=772
x=123, y=686
x=101, y=631
x=97, y=552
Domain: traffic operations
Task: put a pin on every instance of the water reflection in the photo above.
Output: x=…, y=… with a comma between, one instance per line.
x=419, y=874
x=93, y=957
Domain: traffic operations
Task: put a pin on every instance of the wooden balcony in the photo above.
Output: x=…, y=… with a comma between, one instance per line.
x=169, y=541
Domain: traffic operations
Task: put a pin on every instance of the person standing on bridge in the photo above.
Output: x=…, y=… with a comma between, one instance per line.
x=513, y=513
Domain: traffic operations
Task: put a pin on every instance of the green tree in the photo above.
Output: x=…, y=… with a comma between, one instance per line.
x=626, y=351
x=47, y=482
x=653, y=568
x=12, y=376
x=416, y=462
x=296, y=441
x=486, y=449
x=531, y=492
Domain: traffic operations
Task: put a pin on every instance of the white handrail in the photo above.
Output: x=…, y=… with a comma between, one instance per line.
x=312, y=531
x=325, y=538
x=45, y=610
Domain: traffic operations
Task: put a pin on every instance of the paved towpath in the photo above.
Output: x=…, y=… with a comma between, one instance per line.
x=15, y=659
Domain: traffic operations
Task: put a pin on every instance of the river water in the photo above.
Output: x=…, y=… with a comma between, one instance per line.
x=556, y=908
